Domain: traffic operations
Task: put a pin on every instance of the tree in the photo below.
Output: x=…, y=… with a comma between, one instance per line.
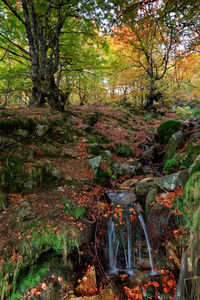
x=152, y=42
x=42, y=25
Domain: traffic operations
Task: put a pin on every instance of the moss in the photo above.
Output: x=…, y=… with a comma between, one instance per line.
x=123, y=150
x=40, y=241
x=8, y=125
x=51, y=150
x=191, y=153
x=191, y=193
x=195, y=168
x=196, y=220
x=92, y=118
x=167, y=129
x=14, y=177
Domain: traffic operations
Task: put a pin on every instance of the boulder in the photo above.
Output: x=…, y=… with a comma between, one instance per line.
x=125, y=169
x=128, y=184
x=95, y=163
x=160, y=225
x=172, y=181
x=175, y=142
x=143, y=188
x=150, y=198
x=3, y=201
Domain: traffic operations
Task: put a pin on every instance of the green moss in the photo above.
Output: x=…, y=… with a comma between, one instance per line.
x=167, y=128
x=195, y=168
x=14, y=177
x=92, y=118
x=191, y=153
x=51, y=150
x=8, y=125
x=41, y=241
x=196, y=221
x=123, y=150
x=191, y=193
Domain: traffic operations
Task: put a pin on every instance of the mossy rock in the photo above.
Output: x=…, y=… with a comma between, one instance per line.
x=191, y=193
x=191, y=152
x=195, y=168
x=167, y=129
x=196, y=220
x=51, y=150
x=16, y=177
x=124, y=150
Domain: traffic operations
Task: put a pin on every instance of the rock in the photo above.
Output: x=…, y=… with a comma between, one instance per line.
x=95, y=163
x=3, y=201
x=175, y=142
x=150, y=198
x=22, y=133
x=160, y=225
x=128, y=184
x=143, y=188
x=154, y=153
x=108, y=153
x=25, y=203
x=195, y=135
x=41, y=130
x=125, y=169
x=121, y=197
x=26, y=214
x=87, y=282
x=172, y=181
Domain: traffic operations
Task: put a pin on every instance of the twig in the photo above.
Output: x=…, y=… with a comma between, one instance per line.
x=162, y=188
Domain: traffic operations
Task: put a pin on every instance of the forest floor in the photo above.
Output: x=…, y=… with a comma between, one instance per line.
x=43, y=207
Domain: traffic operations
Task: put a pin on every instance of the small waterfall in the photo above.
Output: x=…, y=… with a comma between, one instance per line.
x=147, y=240
x=113, y=248
x=121, y=234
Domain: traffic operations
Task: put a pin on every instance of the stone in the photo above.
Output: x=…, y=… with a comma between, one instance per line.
x=3, y=201
x=172, y=181
x=95, y=163
x=125, y=169
x=195, y=135
x=41, y=130
x=128, y=184
x=160, y=225
x=121, y=197
x=108, y=153
x=150, y=198
x=143, y=188
x=26, y=214
x=175, y=142
x=25, y=203
x=22, y=133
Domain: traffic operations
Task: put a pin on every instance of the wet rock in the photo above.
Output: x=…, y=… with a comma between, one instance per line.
x=128, y=184
x=95, y=163
x=125, y=169
x=172, y=181
x=121, y=197
x=3, y=201
x=143, y=188
x=41, y=130
x=160, y=225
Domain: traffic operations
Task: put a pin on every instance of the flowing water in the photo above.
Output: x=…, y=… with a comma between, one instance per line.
x=121, y=239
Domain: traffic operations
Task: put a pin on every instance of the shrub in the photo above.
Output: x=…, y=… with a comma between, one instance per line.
x=167, y=128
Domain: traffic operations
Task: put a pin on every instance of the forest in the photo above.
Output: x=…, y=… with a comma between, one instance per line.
x=100, y=149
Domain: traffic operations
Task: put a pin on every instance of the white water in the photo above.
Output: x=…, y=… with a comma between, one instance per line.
x=147, y=240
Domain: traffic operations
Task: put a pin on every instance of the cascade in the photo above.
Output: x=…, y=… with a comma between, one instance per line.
x=125, y=229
